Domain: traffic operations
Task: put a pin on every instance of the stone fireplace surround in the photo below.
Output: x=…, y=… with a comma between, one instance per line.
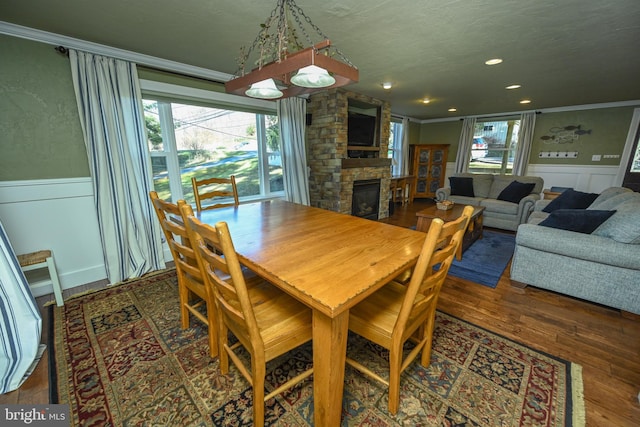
x=332, y=173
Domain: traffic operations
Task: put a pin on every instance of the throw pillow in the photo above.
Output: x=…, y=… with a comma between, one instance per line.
x=578, y=220
x=571, y=199
x=461, y=186
x=516, y=191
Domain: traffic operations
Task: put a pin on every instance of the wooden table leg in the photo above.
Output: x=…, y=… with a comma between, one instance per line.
x=329, y=353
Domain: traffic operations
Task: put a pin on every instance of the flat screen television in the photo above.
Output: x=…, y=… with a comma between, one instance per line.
x=361, y=129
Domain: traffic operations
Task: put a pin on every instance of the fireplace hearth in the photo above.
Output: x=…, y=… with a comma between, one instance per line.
x=366, y=198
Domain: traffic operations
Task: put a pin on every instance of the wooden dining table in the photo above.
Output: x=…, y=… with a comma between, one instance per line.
x=328, y=261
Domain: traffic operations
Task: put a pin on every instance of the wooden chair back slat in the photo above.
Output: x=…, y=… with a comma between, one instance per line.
x=223, y=191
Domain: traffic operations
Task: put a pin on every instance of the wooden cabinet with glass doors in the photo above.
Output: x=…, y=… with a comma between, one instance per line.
x=428, y=164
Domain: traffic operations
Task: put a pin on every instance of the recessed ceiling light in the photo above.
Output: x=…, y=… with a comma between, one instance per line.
x=513, y=87
x=525, y=101
x=386, y=85
x=493, y=61
x=452, y=110
x=426, y=101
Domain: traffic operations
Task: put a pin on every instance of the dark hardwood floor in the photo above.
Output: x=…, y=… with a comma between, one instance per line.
x=604, y=341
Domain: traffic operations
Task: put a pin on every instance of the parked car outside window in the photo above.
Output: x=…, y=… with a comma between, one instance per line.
x=478, y=148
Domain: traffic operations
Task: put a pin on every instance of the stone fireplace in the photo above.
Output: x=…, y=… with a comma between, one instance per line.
x=332, y=172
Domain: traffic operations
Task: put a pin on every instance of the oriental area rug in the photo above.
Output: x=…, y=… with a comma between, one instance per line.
x=485, y=260
x=120, y=358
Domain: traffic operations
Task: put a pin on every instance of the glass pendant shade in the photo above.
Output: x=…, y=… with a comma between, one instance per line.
x=312, y=77
x=266, y=89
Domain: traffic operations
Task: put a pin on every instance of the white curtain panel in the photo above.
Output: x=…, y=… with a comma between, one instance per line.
x=400, y=165
x=405, y=146
x=525, y=139
x=292, y=122
x=20, y=321
x=464, y=144
x=110, y=108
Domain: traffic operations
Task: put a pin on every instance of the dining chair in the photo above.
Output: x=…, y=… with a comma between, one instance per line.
x=398, y=313
x=399, y=190
x=220, y=191
x=266, y=321
x=191, y=285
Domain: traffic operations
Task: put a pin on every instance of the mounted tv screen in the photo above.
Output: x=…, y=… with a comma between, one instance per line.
x=361, y=129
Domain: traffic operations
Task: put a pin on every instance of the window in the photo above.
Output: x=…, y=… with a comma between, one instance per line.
x=494, y=146
x=394, y=151
x=199, y=139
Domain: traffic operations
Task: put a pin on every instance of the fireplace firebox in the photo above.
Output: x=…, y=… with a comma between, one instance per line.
x=366, y=198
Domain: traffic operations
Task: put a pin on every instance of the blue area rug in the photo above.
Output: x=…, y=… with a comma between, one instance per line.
x=485, y=260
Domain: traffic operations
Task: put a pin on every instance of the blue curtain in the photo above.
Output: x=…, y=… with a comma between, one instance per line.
x=292, y=119
x=110, y=107
x=20, y=321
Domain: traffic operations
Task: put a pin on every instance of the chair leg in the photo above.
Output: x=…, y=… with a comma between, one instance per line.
x=213, y=329
x=184, y=300
x=55, y=281
x=427, y=330
x=223, y=340
x=258, y=372
x=395, y=365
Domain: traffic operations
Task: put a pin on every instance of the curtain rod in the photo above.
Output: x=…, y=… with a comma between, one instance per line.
x=500, y=116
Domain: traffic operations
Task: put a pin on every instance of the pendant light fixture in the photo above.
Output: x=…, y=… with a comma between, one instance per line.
x=265, y=89
x=283, y=66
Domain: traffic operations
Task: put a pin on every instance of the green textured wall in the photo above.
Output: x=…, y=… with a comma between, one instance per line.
x=442, y=133
x=607, y=127
x=608, y=133
x=40, y=133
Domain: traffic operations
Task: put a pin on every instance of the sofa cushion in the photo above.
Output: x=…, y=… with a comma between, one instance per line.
x=579, y=220
x=614, y=201
x=607, y=194
x=516, y=191
x=500, y=182
x=461, y=186
x=537, y=217
x=571, y=199
x=499, y=207
x=482, y=185
x=624, y=226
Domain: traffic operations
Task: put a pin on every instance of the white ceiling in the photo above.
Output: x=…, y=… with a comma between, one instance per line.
x=562, y=52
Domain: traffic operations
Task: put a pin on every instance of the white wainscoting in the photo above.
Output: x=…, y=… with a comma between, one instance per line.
x=55, y=214
x=590, y=179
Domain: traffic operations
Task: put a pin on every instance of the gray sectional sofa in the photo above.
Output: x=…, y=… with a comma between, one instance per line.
x=486, y=189
x=602, y=267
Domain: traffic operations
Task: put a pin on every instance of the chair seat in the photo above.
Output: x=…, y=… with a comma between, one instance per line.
x=375, y=317
x=284, y=324
x=33, y=258
x=43, y=259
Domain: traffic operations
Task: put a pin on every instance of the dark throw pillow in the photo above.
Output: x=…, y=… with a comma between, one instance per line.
x=571, y=199
x=516, y=191
x=461, y=186
x=579, y=220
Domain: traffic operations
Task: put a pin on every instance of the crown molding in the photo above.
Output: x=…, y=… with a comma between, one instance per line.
x=633, y=103
x=126, y=55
